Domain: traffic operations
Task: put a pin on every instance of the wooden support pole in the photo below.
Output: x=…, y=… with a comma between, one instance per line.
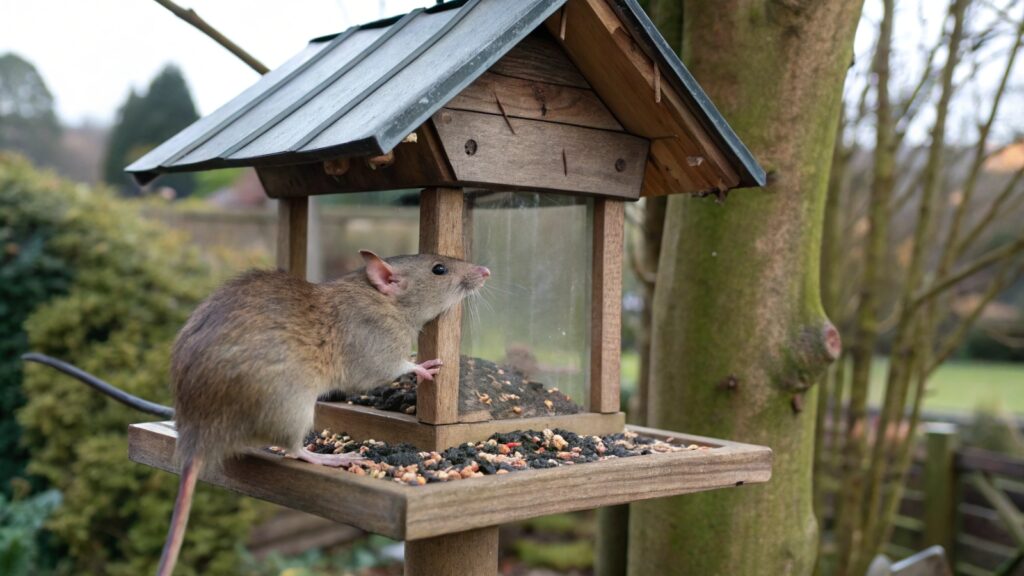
x=940, y=486
x=292, y=229
x=606, y=305
x=441, y=232
x=470, y=553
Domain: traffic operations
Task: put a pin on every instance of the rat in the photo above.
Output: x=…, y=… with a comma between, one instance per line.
x=252, y=359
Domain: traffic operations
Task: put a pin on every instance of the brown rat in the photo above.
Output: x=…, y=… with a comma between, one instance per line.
x=248, y=366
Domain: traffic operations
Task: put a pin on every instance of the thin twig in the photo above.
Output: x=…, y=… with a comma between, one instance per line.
x=992, y=257
x=190, y=16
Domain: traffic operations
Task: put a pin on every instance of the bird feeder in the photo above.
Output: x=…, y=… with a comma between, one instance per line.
x=527, y=126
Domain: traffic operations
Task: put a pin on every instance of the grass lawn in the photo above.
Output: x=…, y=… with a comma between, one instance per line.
x=958, y=386
x=963, y=385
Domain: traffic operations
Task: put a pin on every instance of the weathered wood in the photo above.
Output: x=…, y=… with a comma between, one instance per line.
x=441, y=232
x=364, y=422
x=416, y=165
x=940, y=486
x=369, y=504
x=981, y=554
x=535, y=100
x=624, y=78
x=970, y=494
x=539, y=57
x=994, y=463
x=574, y=488
x=541, y=155
x=292, y=532
x=292, y=233
x=606, y=305
x=470, y=553
x=1005, y=509
x=983, y=523
x=415, y=512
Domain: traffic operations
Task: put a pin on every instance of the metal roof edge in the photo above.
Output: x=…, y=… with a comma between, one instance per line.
x=641, y=26
x=440, y=7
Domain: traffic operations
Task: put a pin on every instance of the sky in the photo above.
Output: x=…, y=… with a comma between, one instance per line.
x=91, y=53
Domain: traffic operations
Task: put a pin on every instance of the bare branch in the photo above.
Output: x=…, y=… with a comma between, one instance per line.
x=941, y=285
x=994, y=211
x=190, y=16
x=1003, y=279
x=952, y=247
x=1008, y=340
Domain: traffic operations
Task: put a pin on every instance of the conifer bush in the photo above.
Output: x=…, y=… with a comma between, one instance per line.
x=121, y=288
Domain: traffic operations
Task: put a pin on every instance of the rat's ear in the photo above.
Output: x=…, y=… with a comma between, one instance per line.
x=380, y=273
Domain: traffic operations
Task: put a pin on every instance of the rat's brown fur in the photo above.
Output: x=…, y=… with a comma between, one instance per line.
x=249, y=364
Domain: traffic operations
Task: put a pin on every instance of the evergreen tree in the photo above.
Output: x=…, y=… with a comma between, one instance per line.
x=144, y=121
x=28, y=124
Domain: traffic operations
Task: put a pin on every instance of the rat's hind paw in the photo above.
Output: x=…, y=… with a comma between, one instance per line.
x=335, y=460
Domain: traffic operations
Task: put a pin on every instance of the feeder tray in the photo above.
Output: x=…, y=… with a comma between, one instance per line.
x=402, y=512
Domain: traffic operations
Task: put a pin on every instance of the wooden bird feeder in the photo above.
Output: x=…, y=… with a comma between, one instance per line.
x=527, y=125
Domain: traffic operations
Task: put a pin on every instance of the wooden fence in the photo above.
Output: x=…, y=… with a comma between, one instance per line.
x=336, y=233
x=967, y=500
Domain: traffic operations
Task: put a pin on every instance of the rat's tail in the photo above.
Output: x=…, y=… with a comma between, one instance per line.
x=179, y=519
x=114, y=392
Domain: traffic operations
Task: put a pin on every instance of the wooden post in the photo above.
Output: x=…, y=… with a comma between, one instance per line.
x=940, y=488
x=606, y=305
x=292, y=228
x=441, y=232
x=470, y=553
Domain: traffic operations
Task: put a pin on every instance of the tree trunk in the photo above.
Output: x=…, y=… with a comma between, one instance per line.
x=737, y=297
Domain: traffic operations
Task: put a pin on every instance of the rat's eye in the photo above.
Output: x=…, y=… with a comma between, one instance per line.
x=439, y=269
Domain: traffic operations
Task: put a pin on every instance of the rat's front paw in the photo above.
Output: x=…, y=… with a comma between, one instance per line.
x=427, y=369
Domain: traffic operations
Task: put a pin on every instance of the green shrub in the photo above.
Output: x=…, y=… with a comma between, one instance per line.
x=20, y=524
x=29, y=275
x=994, y=428
x=133, y=285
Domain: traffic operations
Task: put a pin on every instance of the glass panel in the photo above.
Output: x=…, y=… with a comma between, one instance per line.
x=525, y=338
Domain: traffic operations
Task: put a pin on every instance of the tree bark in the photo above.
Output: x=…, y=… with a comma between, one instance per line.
x=739, y=330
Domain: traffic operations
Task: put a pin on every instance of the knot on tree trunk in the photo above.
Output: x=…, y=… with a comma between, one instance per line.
x=813, y=348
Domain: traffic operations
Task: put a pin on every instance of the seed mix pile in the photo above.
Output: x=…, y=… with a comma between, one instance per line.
x=501, y=454
x=501, y=390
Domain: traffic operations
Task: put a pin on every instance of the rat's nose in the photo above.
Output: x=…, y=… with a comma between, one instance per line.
x=483, y=271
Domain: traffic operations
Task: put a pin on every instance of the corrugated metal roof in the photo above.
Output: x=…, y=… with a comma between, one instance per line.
x=362, y=91
x=357, y=93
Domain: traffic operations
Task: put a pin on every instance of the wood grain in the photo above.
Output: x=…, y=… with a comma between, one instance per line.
x=535, y=100
x=606, y=305
x=580, y=487
x=539, y=57
x=363, y=422
x=292, y=532
x=407, y=512
x=441, y=232
x=470, y=553
x=292, y=232
x=541, y=155
x=367, y=503
x=417, y=164
x=624, y=78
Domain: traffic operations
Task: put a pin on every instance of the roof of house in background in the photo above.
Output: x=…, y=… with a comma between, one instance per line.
x=360, y=92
